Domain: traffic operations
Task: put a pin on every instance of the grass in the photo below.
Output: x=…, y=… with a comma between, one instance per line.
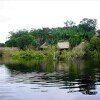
x=7, y=52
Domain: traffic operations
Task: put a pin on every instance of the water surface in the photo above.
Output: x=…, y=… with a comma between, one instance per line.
x=74, y=80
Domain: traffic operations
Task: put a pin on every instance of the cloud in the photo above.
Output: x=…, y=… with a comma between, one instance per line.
x=37, y=14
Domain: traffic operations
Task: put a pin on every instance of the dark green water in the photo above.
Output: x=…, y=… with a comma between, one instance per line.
x=74, y=80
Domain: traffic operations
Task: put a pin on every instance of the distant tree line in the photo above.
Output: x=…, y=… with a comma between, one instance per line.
x=36, y=37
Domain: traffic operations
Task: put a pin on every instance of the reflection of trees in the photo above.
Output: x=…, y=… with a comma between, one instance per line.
x=22, y=68
x=75, y=76
x=86, y=86
x=34, y=67
x=85, y=79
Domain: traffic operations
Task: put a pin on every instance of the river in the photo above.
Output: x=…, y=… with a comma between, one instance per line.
x=73, y=80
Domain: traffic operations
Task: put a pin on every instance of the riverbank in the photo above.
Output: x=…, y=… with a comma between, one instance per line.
x=7, y=52
x=50, y=54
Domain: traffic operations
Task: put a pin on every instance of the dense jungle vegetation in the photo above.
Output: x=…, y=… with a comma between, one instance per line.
x=85, y=32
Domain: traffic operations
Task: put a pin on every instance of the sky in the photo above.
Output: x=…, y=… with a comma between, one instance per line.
x=27, y=14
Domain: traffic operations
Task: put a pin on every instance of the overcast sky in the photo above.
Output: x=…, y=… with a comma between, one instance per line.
x=27, y=14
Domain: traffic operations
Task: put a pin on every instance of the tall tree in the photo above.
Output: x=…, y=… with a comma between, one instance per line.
x=88, y=25
x=69, y=23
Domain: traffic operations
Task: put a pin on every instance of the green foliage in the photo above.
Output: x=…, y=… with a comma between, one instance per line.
x=75, y=34
x=88, y=25
x=11, y=43
x=93, y=48
x=98, y=32
x=21, y=40
x=77, y=52
x=2, y=45
x=69, y=23
x=25, y=41
x=51, y=53
x=71, y=55
x=27, y=55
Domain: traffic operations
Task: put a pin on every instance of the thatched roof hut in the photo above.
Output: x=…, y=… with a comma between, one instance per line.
x=63, y=45
x=44, y=46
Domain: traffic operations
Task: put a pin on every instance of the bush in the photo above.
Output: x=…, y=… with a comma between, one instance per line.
x=92, y=49
x=29, y=55
x=51, y=53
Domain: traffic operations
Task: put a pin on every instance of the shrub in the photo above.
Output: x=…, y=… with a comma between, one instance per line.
x=29, y=55
x=92, y=49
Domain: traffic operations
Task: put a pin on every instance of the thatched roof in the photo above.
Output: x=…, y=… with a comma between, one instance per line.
x=44, y=46
x=63, y=45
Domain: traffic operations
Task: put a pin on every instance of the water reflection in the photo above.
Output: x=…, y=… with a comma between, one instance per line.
x=78, y=76
x=63, y=77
